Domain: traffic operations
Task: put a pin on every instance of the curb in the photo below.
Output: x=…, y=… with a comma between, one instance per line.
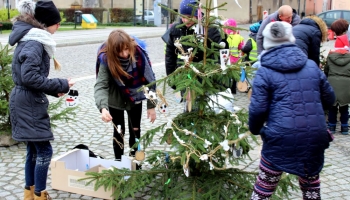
x=99, y=40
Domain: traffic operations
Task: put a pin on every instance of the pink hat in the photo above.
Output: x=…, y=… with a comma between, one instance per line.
x=230, y=22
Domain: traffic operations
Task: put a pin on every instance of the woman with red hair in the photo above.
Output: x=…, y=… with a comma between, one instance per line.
x=340, y=28
x=337, y=70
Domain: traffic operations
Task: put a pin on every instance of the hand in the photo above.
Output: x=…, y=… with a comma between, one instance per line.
x=151, y=114
x=106, y=116
x=61, y=94
x=70, y=82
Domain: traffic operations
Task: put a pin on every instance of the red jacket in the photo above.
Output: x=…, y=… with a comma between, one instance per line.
x=341, y=41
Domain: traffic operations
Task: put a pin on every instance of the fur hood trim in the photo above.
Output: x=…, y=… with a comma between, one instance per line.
x=30, y=20
x=322, y=25
x=26, y=7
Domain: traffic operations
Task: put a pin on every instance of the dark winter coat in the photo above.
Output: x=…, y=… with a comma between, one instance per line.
x=171, y=60
x=308, y=35
x=272, y=18
x=337, y=70
x=289, y=93
x=28, y=102
x=248, y=47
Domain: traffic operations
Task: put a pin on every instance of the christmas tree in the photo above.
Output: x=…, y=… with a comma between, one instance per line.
x=209, y=141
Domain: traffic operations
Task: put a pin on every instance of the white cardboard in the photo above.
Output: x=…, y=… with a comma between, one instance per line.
x=68, y=168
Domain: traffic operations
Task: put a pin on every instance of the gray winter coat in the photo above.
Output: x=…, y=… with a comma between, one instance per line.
x=272, y=18
x=28, y=102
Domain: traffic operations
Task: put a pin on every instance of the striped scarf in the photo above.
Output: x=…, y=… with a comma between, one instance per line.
x=141, y=74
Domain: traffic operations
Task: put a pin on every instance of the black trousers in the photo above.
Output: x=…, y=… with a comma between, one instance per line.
x=134, y=121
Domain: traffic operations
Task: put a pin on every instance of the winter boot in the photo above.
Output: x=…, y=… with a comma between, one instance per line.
x=43, y=195
x=29, y=193
x=344, y=130
x=331, y=128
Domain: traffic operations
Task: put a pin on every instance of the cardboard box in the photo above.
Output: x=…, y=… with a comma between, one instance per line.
x=67, y=169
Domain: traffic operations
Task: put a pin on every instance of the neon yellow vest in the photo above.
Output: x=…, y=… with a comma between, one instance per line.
x=253, y=54
x=233, y=41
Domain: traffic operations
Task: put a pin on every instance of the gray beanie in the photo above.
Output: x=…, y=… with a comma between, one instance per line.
x=277, y=33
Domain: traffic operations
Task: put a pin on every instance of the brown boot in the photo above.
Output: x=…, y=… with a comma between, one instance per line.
x=29, y=194
x=43, y=196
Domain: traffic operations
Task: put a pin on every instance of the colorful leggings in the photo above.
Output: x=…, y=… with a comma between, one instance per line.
x=269, y=177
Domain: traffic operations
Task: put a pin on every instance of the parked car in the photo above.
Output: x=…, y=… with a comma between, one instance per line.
x=148, y=17
x=330, y=16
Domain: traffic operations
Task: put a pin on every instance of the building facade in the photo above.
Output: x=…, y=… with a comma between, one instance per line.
x=246, y=11
x=243, y=12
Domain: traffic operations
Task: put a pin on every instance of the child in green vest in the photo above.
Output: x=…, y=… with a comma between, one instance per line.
x=250, y=49
x=234, y=41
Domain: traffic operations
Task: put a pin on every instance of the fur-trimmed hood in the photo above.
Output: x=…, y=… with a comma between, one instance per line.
x=21, y=26
x=321, y=25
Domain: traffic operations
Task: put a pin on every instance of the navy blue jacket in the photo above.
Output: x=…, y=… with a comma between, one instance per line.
x=289, y=92
x=28, y=103
x=308, y=37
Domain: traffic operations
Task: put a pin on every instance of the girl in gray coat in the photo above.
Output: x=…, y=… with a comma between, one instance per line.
x=122, y=68
x=28, y=102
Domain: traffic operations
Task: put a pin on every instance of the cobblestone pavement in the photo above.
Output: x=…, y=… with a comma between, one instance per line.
x=79, y=63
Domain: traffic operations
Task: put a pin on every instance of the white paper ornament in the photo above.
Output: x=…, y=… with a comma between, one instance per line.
x=236, y=152
x=72, y=98
x=186, y=170
x=163, y=108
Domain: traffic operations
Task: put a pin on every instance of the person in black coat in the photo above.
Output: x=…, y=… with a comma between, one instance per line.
x=309, y=35
x=32, y=33
x=174, y=33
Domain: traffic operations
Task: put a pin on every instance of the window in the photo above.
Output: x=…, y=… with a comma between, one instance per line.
x=346, y=15
x=321, y=16
x=333, y=15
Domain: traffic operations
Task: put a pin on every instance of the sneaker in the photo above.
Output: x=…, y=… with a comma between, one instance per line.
x=345, y=130
x=332, y=129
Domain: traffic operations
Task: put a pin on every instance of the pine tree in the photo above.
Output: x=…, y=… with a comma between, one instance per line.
x=6, y=85
x=204, y=164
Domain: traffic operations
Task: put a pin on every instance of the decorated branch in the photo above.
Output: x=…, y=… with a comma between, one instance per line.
x=210, y=142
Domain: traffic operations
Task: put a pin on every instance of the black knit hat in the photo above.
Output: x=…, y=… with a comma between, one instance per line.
x=47, y=13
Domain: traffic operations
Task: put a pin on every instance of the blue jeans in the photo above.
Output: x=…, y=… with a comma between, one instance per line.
x=38, y=159
x=344, y=115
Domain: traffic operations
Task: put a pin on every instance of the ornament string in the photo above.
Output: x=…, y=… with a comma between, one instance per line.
x=121, y=134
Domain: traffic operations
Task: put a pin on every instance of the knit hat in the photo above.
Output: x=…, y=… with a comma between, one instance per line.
x=254, y=28
x=232, y=23
x=185, y=9
x=47, y=13
x=277, y=33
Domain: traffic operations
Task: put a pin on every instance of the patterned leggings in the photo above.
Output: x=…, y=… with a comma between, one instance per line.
x=269, y=177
